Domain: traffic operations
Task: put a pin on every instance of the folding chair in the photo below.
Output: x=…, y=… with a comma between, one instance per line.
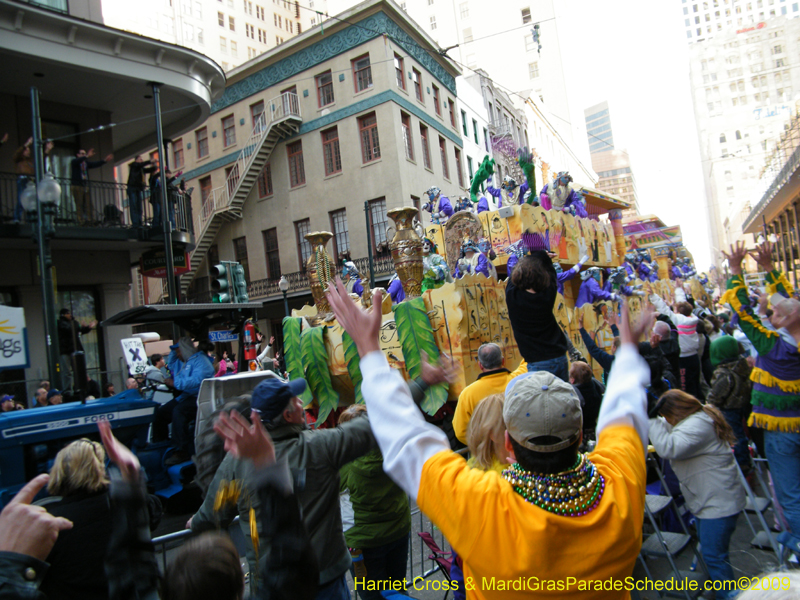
x=665, y=544
x=764, y=539
x=443, y=560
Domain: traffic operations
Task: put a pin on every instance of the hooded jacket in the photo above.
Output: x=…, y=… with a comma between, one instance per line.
x=730, y=386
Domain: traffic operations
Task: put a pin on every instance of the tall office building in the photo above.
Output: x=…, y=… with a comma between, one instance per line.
x=703, y=20
x=743, y=84
x=612, y=165
x=230, y=32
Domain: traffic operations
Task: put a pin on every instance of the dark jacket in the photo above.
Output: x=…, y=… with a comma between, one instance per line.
x=592, y=392
x=288, y=567
x=155, y=185
x=77, y=558
x=536, y=330
x=317, y=454
x=136, y=174
x=730, y=386
x=78, y=175
x=603, y=358
x=14, y=585
x=69, y=339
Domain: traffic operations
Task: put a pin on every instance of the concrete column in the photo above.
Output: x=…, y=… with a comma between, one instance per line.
x=115, y=298
x=31, y=301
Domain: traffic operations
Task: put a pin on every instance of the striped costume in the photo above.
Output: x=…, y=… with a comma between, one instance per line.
x=776, y=376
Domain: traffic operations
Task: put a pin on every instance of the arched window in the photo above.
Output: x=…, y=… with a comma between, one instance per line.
x=738, y=134
x=722, y=139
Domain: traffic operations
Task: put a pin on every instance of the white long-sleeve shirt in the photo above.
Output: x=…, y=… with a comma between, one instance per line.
x=688, y=339
x=407, y=441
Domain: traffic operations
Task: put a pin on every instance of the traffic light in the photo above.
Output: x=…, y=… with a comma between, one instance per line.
x=220, y=284
x=239, y=283
x=536, y=39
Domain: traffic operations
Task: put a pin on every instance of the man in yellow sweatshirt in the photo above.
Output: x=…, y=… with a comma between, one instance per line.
x=557, y=523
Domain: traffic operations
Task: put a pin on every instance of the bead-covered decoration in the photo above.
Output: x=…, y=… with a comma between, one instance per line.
x=572, y=493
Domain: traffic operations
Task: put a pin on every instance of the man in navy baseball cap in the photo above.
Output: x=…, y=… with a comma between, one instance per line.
x=273, y=398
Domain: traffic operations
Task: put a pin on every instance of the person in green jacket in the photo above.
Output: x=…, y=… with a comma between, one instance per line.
x=378, y=540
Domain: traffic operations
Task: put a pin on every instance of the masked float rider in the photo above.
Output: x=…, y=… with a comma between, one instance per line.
x=439, y=206
x=508, y=194
x=562, y=196
x=352, y=282
x=435, y=272
x=473, y=261
x=590, y=290
x=395, y=289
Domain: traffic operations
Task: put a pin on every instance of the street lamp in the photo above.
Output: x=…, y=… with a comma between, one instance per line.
x=283, y=285
x=43, y=200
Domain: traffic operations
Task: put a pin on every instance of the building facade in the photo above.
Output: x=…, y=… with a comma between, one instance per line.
x=743, y=87
x=230, y=32
x=612, y=164
x=704, y=20
x=347, y=126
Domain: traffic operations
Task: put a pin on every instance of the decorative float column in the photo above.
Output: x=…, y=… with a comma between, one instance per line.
x=406, y=247
x=320, y=269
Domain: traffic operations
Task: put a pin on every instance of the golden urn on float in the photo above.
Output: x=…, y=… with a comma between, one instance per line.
x=406, y=248
x=320, y=269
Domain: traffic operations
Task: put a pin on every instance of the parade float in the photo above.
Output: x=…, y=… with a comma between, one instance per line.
x=442, y=314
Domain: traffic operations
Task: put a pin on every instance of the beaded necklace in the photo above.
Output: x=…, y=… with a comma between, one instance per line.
x=572, y=493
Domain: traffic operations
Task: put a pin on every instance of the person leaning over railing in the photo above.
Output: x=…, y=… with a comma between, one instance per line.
x=556, y=513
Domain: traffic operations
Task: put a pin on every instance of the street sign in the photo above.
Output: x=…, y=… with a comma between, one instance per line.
x=13, y=339
x=153, y=263
x=135, y=355
x=223, y=335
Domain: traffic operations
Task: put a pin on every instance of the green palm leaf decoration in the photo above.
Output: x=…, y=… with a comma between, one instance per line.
x=416, y=336
x=352, y=359
x=291, y=351
x=315, y=360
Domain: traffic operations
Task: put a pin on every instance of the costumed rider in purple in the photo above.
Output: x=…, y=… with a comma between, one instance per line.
x=439, y=206
x=646, y=270
x=507, y=194
x=464, y=203
x=561, y=196
x=473, y=261
x=590, y=290
x=630, y=264
x=395, y=289
x=435, y=272
x=675, y=272
x=616, y=280
x=562, y=275
x=351, y=279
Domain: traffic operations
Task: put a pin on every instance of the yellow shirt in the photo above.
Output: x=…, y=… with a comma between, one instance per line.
x=507, y=543
x=474, y=393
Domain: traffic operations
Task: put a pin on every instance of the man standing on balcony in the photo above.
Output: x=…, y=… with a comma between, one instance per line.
x=136, y=172
x=79, y=182
x=69, y=342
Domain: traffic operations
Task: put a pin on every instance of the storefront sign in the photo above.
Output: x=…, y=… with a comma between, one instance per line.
x=14, y=352
x=153, y=263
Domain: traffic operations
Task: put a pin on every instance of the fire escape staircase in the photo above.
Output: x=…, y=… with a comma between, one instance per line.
x=280, y=119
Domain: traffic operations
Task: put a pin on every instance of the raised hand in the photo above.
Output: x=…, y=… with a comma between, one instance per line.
x=245, y=440
x=735, y=257
x=763, y=256
x=631, y=333
x=118, y=453
x=30, y=530
x=363, y=326
x=444, y=371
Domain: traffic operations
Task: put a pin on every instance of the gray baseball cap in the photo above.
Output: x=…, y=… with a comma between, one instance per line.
x=541, y=405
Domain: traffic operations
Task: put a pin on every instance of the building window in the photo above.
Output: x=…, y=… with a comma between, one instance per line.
x=324, y=89
x=407, y=141
x=297, y=173
x=722, y=138
x=398, y=71
x=177, y=154
x=378, y=222
x=443, y=153
x=265, y=182
x=223, y=45
x=464, y=8
x=330, y=151
x=370, y=145
x=416, y=77
x=451, y=106
x=202, y=142
x=228, y=131
x=533, y=70
x=221, y=19
x=257, y=116
x=475, y=130
x=486, y=139
x=436, y=105
x=362, y=73
x=526, y=15
x=341, y=237
x=459, y=174
x=271, y=254
x=470, y=168
x=240, y=254
x=301, y=228
x=205, y=189
x=433, y=23
x=234, y=49
x=426, y=150
x=466, y=35
x=464, y=123
x=231, y=24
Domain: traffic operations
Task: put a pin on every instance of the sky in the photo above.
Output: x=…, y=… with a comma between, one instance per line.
x=634, y=54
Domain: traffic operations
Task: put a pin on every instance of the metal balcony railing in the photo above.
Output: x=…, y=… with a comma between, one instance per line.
x=106, y=205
